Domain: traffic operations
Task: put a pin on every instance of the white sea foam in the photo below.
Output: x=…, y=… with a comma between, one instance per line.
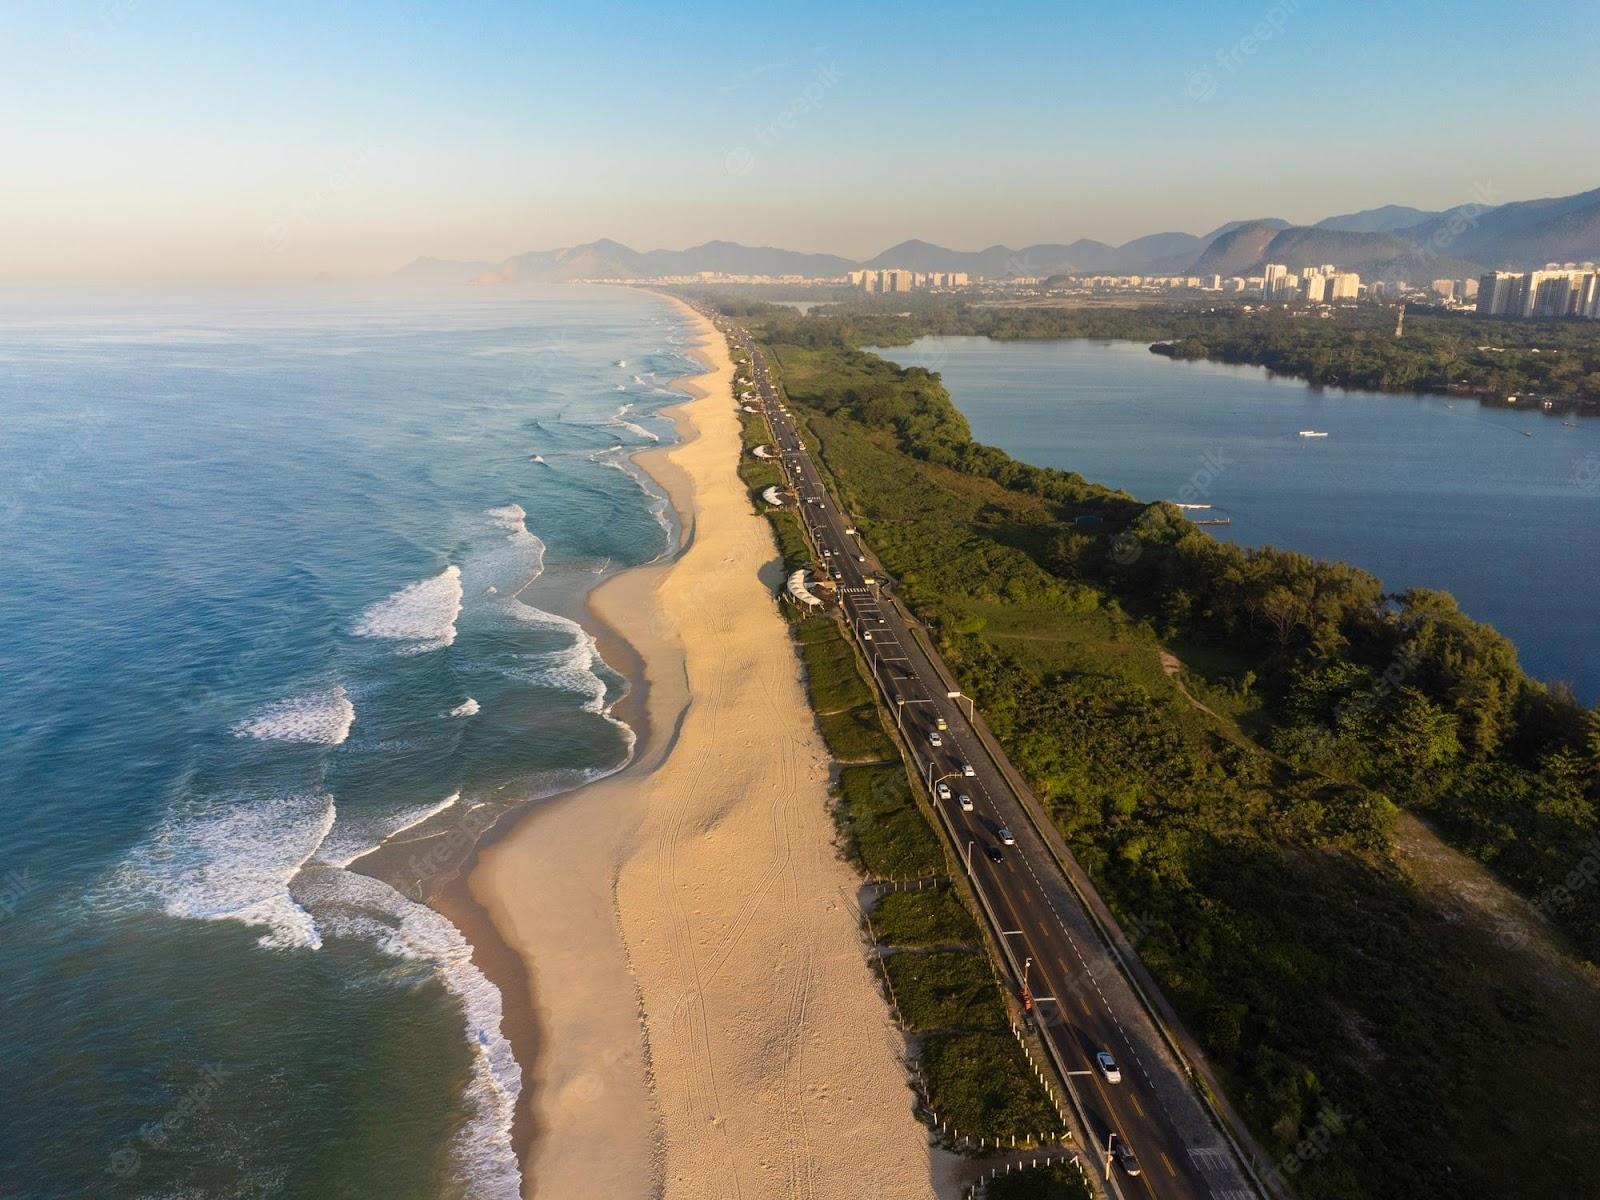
x=500, y=569
x=351, y=837
x=319, y=718
x=467, y=708
x=352, y=905
x=571, y=668
x=620, y=420
x=617, y=458
x=422, y=615
x=232, y=858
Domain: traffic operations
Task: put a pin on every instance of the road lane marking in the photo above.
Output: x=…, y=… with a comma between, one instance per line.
x=1167, y=1162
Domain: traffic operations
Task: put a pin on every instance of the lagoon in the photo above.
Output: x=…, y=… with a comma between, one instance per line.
x=1499, y=506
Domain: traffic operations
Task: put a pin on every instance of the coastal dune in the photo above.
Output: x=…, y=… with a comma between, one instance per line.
x=708, y=1023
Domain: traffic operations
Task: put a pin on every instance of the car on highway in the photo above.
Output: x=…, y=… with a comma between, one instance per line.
x=995, y=854
x=968, y=770
x=1108, y=1067
x=965, y=801
x=934, y=739
x=1125, y=1156
x=1007, y=836
x=940, y=723
x=866, y=635
x=943, y=790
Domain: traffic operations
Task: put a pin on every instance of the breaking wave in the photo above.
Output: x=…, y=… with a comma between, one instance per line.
x=320, y=718
x=422, y=615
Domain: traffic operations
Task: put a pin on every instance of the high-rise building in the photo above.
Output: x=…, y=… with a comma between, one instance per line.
x=1345, y=285
x=1445, y=289
x=1270, y=279
x=1494, y=292
x=1314, y=287
x=1589, y=301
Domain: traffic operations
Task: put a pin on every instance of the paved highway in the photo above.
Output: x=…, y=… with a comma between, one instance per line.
x=1082, y=1003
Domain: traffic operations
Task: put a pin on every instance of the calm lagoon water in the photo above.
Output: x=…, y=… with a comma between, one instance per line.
x=274, y=573
x=1424, y=491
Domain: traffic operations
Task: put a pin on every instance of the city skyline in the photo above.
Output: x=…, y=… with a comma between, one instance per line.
x=177, y=142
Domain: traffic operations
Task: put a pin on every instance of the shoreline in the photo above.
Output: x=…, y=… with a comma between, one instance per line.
x=601, y=611
x=652, y=706
x=674, y=1055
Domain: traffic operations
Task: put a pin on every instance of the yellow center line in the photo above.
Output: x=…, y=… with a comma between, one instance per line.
x=1167, y=1162
x=1084, y=1004
x=1137, y=1106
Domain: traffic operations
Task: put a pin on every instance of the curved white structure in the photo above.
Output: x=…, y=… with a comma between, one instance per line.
x=800, y=593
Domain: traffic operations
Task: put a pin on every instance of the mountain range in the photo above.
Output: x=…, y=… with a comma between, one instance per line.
x=1390, y=242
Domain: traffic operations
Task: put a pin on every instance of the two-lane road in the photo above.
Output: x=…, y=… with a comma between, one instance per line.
x=1082, y=1003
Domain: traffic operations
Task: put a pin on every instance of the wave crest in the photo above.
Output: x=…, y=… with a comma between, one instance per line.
x=422, y=614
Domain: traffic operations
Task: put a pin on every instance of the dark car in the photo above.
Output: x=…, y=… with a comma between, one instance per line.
x=994, y=853
x=1125, y=1157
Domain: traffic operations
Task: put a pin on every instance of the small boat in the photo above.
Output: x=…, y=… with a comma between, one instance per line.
x=538, y=458
x=1176, y=504
x=1312, y=433
x=1525, y=433
x=622, y=362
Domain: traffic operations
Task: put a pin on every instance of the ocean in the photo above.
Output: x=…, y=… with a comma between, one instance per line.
x=291, y=575
x=1497, y=505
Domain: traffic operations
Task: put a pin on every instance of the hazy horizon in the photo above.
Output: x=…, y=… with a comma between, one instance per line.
x=184, y=143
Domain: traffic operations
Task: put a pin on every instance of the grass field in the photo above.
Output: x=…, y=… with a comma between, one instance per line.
x=884, y=830
x=979, y=1082
x=933, y=917
x=945, y=990
x=1057, y=1182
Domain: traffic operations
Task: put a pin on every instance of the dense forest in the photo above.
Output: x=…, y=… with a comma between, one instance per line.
x=1253, y=852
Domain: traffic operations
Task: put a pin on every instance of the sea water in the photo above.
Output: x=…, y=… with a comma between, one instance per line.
x=280, y=579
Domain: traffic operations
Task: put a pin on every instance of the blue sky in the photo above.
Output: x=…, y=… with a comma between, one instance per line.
x=145, y=137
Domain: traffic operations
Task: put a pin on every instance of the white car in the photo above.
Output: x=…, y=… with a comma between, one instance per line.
x=965, y=801
x=968, y=770
x=1108, y=1067
x=1007, y=836
x=934, y=739
x=943, y=790
x=866, y=635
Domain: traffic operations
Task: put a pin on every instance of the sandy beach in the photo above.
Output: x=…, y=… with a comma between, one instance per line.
x=708, y=1025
